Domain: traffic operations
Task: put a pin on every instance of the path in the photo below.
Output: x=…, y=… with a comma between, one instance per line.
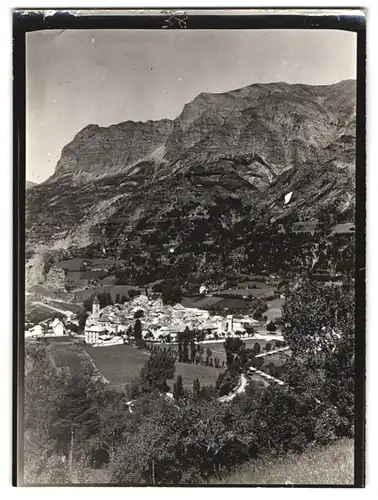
x=51, y=307
x=264, y=375
x=243, y=382
x=281, y=349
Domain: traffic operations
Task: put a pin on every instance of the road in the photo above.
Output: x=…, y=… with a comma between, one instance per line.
x=243, y=382
x=50, y=307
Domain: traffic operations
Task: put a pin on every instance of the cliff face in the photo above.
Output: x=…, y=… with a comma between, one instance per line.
x=96, y=151
x=252, y=145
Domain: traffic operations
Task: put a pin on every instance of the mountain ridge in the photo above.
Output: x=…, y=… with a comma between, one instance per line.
x=232, y=155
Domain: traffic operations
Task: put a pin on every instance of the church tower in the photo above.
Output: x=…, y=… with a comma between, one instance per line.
x=95, y=307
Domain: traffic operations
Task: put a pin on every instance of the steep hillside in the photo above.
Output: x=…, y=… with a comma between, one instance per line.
x=202, y=183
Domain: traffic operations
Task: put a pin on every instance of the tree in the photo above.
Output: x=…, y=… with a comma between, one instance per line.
x=171, y=294
x=138, y=332
x=178, y=388
x=82, y=318
x=193, y=351
x=196, y=387
x=156, y=371
x=271, y=327
x=233, y=347
x=319, y=329
x=180, y=352
x=268, y=347
x=138, y=314
x=256, y=348
x=185, y=353
x=133, y=293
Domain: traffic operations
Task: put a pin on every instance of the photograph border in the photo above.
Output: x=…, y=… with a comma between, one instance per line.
x=25, y=21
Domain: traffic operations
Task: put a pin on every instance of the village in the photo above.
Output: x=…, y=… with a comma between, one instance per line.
x=160, y=322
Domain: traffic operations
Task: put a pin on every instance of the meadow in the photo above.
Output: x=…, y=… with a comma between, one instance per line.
x=217, y=349
x=66, y=353
x=119, y=364
x=321, y=465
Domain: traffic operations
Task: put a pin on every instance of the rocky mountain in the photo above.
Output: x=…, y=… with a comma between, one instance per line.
x=224, y=165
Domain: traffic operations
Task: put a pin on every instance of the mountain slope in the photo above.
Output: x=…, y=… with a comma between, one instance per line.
x=223, y=165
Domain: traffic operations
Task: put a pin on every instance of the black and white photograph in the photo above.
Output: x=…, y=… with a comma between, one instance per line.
x=189, y=257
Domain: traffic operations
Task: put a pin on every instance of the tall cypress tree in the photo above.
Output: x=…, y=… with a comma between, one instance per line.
x=185, y=353
x=196, y=387
x=193, y=351
x=138, y=332
x=178, y=388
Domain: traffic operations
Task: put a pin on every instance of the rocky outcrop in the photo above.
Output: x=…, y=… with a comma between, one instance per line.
x=96, y=151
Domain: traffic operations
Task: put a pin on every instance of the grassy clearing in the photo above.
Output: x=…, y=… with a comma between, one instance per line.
x=81, y=295
x=262, y=290
x=217, y=349
x=119, y=364
x=332, y=464
x=67, y=354
x=207, y=375
x=34, y=313
x=274, y=309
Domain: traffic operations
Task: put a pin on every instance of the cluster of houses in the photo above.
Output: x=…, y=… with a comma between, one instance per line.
x=49, y=328
x=159, y=322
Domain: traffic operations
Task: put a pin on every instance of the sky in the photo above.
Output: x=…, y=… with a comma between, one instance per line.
x=79, y=77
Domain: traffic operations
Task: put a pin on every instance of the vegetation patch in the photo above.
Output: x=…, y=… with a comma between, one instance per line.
x=321, y=465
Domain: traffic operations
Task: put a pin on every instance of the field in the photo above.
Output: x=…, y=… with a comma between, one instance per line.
x=217, y=349
x=95, y=263
x=207, y=375
x=274, y=309
x=119, y=364
x=215, y=303
x=34, y=313
x=328, y=465
x=346, y=228
x=112, y=289
x=256, y=289
x=67, y=354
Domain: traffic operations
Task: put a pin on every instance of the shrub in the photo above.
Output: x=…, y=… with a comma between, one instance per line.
x=271, y=327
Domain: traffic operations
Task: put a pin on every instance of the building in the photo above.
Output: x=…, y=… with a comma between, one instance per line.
x=95, y=307
x=35, y=331
x=230, y=323
x=57, y=327
x=92, y=334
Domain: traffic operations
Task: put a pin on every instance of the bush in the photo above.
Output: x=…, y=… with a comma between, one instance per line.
x=271, y=327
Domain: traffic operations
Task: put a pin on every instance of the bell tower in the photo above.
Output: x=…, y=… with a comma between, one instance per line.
x=95, y=307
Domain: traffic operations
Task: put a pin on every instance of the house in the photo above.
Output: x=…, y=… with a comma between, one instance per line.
x=92, y=334
x=35, y=331
x=57, y=327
